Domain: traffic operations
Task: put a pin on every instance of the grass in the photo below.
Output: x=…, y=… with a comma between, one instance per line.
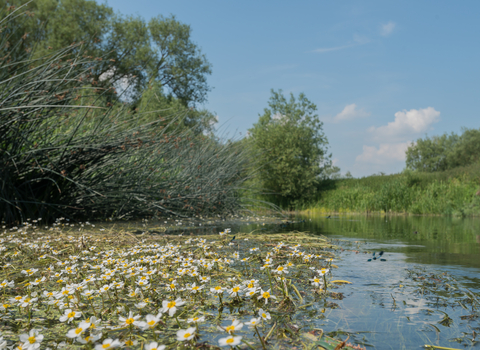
x=76, y=286
x=69, y=150
x=451, y=192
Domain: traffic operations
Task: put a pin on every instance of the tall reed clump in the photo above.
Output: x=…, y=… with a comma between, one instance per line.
x=452, y=193
x=66, y=151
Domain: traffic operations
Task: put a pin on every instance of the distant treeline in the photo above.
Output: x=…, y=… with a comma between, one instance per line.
x=448, y=151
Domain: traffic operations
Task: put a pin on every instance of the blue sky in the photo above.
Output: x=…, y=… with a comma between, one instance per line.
x=382, y=73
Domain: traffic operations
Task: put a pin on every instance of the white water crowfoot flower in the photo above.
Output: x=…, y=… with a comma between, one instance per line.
x=186, y=334
x=317, y=282
x=235, y=326
x=70, y=315
x=171, y=306
x=266, y=295
x=108, y=344
x=32, y=340
x=90, y=339
x=130, y=320
x=151, y=321
x=264, y=314
x=253, y=322
x=6, y=284
x=196, y=319
x=323, y=271
x=230, y=341
x=154, y=346
x=78, y=331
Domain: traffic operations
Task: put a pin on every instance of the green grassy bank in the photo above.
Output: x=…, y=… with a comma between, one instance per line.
x=452, y=192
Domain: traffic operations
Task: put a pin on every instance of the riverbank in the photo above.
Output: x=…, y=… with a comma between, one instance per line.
x=455, y=192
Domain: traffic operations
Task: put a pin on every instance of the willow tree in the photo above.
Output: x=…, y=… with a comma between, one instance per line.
x=292, y=147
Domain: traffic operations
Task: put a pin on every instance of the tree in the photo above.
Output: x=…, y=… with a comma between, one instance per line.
x=158, y=105
x=448, y=151
x=161, y=50
x=292, y=147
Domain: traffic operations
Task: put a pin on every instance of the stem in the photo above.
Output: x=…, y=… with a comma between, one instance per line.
x=261, y=339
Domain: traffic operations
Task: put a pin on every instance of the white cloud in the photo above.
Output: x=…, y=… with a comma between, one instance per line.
x=386, y=153
x=357, y=40
x=350, y=112
x=387, y=29
x=407, y=122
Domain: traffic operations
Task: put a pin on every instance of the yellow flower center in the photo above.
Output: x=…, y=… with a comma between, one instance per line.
x=106, y=346
x=129, y=321
x=151, y=323
x=236, y=289
x=31, y=339
x=230, y=328
x=230, y=340
x=264, y=315
x=280, y=268
x=218, y=288
x=266, y=295
x=186, y=335
x=171, y=304
x=71, y=314
x=78, y=330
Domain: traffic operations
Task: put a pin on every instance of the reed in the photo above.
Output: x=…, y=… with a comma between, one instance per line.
x=451, y=192
x=67, y=150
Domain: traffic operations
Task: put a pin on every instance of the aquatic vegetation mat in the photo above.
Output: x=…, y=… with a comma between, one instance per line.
x=62, y=288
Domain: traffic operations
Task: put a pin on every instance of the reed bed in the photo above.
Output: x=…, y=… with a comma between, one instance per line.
x=69, y=147
x=447, y=193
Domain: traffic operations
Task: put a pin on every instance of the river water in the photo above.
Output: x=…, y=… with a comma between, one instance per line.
x=426, y=292
x=400, y=303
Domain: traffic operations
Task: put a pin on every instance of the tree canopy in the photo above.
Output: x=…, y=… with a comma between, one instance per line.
x=448, y=151
x=292, y=147
x=161, y=50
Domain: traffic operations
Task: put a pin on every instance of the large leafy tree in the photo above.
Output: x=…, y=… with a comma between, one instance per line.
x=292, y=147
x=161, y=50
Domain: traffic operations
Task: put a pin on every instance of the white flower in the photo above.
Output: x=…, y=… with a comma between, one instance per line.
x=317, y=282
x=266, y=295
x=90, y=339
x=281, y=270
x=32, y=339
x=151, y=321
x=230, y=341
x=171, y=306
x=130, y=320
x=235, y=291
x=323, y=271
x=251, y=292
x=235, y=326
x=186, y=334
x=154, y=346
x=108, y=344
x=264, y=314
x=6, y=284
x=77, y=332
x=196, y=319
x=216, y=290
x=253, y=322
x=70, y=315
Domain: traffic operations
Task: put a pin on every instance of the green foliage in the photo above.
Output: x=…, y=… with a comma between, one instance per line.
x=451, y=192
x=66, y=151
x=160, y=50
x=448, y=151
x=292, y=147
x=154, y=104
